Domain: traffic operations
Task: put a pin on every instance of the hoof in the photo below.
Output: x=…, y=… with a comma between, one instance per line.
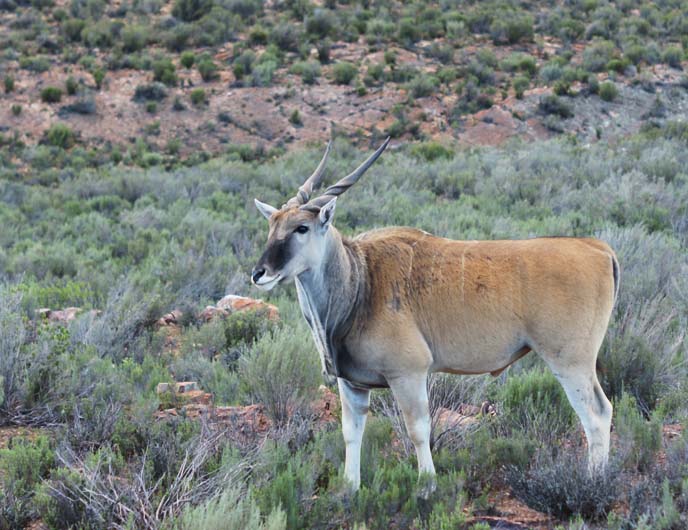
x=426, y=487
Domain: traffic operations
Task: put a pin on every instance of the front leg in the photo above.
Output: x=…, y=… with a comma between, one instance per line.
x=355, y=405
x=411, y=393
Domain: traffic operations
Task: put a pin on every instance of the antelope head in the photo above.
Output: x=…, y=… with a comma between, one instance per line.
x=297, y=236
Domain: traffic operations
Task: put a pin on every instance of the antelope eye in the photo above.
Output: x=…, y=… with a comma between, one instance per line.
x=301, y=229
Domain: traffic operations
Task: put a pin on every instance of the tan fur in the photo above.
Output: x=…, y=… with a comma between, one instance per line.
x=473, y=306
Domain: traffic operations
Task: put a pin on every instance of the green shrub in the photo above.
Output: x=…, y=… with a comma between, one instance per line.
x=71, y=85
x=51, y=94
x=164, y=71
x=408, y=31
x=187, y=59
x=9, y=84
x=263, y=73
x=639, y=439
x=308, y=70
x=521, y=84
x=60, y=135
x=16, y=109
x=258, y=35
x=151, y=107
x=22, y=467
x=150, y=92
x=285, y=36
x=561, y=88
x=289, y=489
x=207, y=68
x=608, y=91
x=431, y=151
x=535, y=401
x=231, y=509
x=321, y=23
x=34, y=64
x=98, y=77
x=554, y=105
x=344, y=72
x=422, y=86
x=673, y=55
x=280, y=372
x=597, y=55
x=72, y=28
x=550, y=72
x=198, y=97
x=133, y=38
x=618, y=65
x=563, y=487
x=511, y=28
x=295, y=118
x=191, y=10
x=593, y=84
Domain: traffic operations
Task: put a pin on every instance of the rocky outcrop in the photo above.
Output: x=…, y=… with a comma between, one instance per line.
x=233, y=304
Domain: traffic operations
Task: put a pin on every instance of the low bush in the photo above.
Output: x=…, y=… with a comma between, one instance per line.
x=597, y=55
x=35, y=64
x=510, y=28
x=552, y=104
x=60, y=135
x=164, y=71
x=285, y=36
x=187, y=59
x=51, y=94
x=150, y=92
x=191, y=10
x=263, y=73
x=521, y=84
x=23, y=465
x=431, y=151
x=673, y=55
x=280, y=372
x=9, y=84
x=343, y=73
x=71, y=85
x=422, y=86
x=308, y=70
x=207, y=68
x=232, y=508
x=535, y=402
x=562, y=486
x=295, y=118
x=639, y=439
x=608, y=91
x=134, y=38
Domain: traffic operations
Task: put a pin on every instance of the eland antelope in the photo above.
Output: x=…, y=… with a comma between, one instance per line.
x=393, y=305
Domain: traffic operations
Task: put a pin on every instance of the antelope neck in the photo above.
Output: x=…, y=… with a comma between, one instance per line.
x=328, y=296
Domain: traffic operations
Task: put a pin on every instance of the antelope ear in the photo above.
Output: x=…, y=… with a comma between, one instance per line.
x=327, y=213
x=265, y=209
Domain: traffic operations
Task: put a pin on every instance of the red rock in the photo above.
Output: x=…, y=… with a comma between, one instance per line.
x=65, y=315
x=210, y=312
x=233, y=303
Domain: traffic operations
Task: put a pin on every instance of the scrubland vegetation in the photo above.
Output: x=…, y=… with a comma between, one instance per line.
x=137, y=243
x=130, y=228
x=471, y=54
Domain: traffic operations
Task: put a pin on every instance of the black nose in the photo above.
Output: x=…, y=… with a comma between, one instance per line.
x=257, y=274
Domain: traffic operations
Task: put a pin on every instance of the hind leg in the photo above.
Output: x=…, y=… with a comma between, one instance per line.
x=591, y=405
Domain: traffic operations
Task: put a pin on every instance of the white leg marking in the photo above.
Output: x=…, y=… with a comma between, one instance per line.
x=355, y=404
x=594, y=410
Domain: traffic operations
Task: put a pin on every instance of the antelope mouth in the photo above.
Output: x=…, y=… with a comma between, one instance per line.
x=268, y=282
